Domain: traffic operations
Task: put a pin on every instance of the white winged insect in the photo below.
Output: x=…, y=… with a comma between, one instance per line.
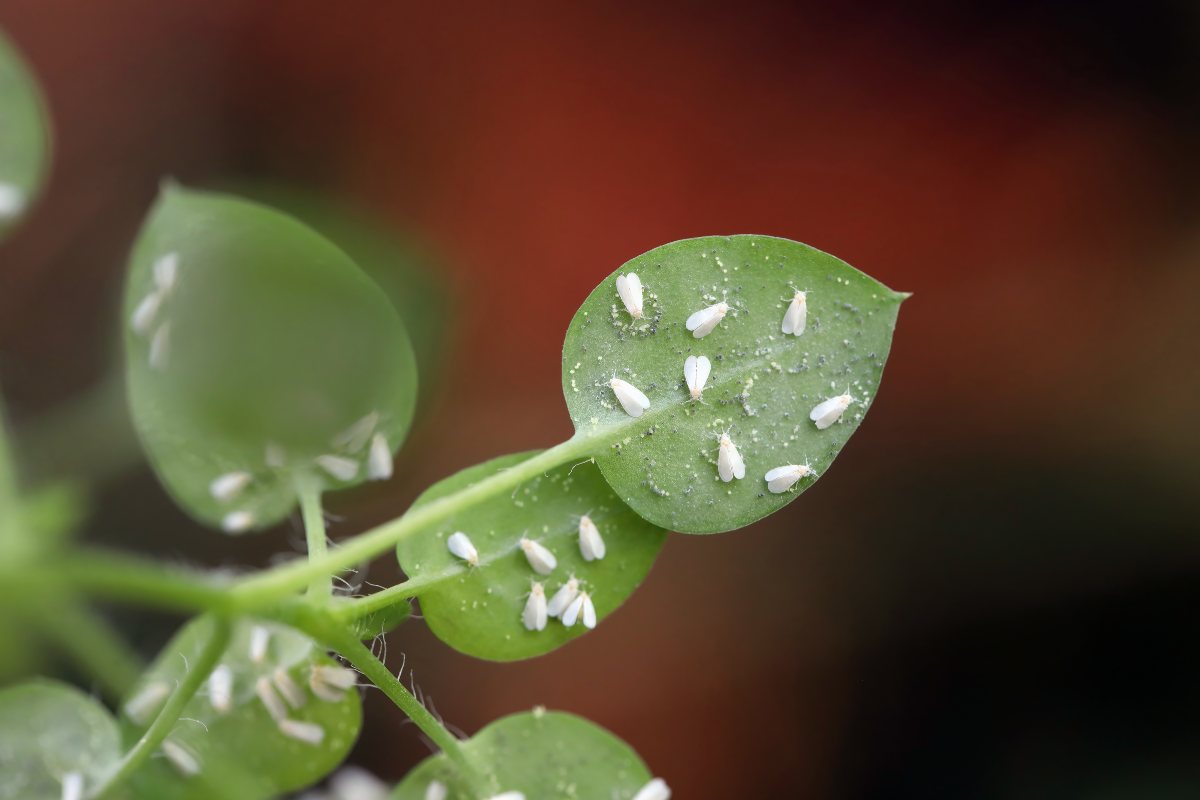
x=237, y=521
x=225, y=488
x=460, y=545
x=166, y=269
x=656, y=789
x=220, y=688
x=703, y=322
x=780, y=479
x=182, y=759
x=379, y=462
x=696, y=370
x=729, y=461
x=330, y=682
x=591, y=543
x=12, y=200
x=796, y=317
x=830, y=411
x=563, y=598
x=534, y=616
x=72, y=786
x=540, y=559
x=629, y=287
x=630, y=397
x=337, y=467
x=307, y=732
x=581, y=607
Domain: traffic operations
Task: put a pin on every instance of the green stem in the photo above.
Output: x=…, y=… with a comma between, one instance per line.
x=320, y=584
x=88, y=639
x=378, y=673
x=171, y=710
x=359, y=607
x=121, y=577
x=278, y=583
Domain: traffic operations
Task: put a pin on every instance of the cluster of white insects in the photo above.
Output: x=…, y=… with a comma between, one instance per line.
x=343, y=464
x=656, y=789
x=696, y=370
x=274, y=688
x=146, y=319
x=571, y=603
x=340, y=465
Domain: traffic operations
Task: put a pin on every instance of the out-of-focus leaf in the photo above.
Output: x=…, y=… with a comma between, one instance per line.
x=542, y=754
x=241, y=752
x=47, y=732
x=478, y=610
x=24, y=136
x=269, y=355
x=405, y=270
x=763, y=385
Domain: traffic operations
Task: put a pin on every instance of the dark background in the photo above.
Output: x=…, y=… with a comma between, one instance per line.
x=994, y=592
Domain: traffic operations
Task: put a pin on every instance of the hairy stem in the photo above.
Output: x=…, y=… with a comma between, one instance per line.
x=362, y=606
x=169, y=715
x=278, y=583
x=133, y=579
x=378, y=673
x=309, y=492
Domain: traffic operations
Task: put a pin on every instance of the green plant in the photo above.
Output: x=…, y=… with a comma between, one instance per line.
x=265, y=369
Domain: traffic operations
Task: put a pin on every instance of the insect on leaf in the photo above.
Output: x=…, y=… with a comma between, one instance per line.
x=236, y=744
x=51, y=733
x=24, y=137
x=258, y=355
x=478, y=610
x=537, y=753
x=724, y=298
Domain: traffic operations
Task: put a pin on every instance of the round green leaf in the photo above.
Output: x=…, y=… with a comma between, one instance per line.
x=241, y=751
x=543, y=754
x=478, y=610
x=763, y=383
x=47, y=731
x=24, y=136
x=398, y=262
x=270, y=357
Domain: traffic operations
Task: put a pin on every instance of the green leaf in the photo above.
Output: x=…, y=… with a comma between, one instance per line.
x=24, y=139
x=274, y=350
x=383, y=621
x=478, y=610
x=241, y=752
x=763, y=383
x=543, y=754
x=47, y=731
x=406, y=272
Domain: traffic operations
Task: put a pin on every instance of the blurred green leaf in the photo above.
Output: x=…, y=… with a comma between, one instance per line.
x=543, y=754
x=269, y=358
x=241, y=752
x=24, y=136
x=478, y=610
x=47, y=732
x=406, y=272
x=763, y=383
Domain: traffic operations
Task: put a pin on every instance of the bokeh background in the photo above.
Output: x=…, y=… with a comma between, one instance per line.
x=994, y=592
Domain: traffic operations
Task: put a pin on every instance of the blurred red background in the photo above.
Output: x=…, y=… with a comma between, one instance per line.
x=990, y=595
